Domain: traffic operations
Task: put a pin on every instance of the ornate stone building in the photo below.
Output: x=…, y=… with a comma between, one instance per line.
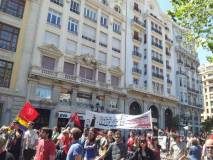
x=107, y=56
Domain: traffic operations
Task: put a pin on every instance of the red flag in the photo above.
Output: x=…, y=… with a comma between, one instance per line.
x=28, y=113
x=74, y=117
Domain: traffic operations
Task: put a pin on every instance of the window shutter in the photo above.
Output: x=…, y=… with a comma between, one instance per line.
x=68, y=68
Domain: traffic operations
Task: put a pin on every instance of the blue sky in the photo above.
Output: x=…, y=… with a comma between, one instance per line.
x=202, y=53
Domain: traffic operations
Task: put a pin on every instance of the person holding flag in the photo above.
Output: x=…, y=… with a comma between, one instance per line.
x=18, y=126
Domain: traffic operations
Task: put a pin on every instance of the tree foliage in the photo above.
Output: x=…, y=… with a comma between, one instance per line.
x=207, y=124
x=196, y=15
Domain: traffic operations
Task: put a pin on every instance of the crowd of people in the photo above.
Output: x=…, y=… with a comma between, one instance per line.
x=93, y=144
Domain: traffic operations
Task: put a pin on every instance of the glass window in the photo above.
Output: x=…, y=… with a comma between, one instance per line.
x=102, y=57
x=44, y=92
x=102, y=77
x=51, y=38
x=86, y=73
x=103, y=39
x=8, y=37
x=13, y=7
x=114, y=81
x=117, y=27
x=69, y=68
x=58, y=2
x=75, y=7
x=48, y=63
x=89, y=33
x=104, y=21
x=116, y=45
x=115, y=62
x=54, y=18
x=71, y=46
x=135, y=81
x=87, y=50
x=73, y=26
x=90, y=14
x=5, y=73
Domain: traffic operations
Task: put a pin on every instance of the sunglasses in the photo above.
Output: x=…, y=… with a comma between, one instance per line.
x=117, y=137
x=209, y=147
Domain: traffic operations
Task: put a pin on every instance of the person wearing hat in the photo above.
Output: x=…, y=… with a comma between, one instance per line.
x=29, y=142
x=4, y=155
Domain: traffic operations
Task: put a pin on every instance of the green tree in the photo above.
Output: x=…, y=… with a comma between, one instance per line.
x=196, y=15
x=207, y=124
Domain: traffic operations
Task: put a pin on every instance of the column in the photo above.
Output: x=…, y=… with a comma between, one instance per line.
x=106, y=101
x=162, y=117
x=94, y=98
x=78, y=71
x=56, y=93
x=53, y=119
x=74, y=95
x=60, y=65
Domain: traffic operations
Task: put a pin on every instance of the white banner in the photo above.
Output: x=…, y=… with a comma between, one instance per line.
x=118, y=121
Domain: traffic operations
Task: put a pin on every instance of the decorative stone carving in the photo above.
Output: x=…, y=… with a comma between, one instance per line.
x=50, y=49
x=116, y=71
x=88, y=60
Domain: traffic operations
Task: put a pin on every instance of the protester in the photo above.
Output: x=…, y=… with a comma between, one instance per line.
x=110, y=138
x=117, y=150
x=209, y=149
x=143, y=152
x=155, y=148
x=131, y=140
x=56, y=133
x=76, y=150
x=103, y=144
x=63, y=145
x=195, y=150
x=178, y=148
x=14, y=140
x=90, y=147
x=4, y=155
x=29, y=142
x=45, y=149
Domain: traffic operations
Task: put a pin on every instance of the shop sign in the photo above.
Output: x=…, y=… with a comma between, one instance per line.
x=84, y=95
x=64, y=115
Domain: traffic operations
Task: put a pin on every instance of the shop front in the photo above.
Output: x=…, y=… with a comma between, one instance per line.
x=63, y=118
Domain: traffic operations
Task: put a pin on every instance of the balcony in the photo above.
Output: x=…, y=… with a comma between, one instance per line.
x=193, y=90
x=87, y=81
x=136, y=70
x=168, y=67
x=157, y=60
x=168, y=40
x=157, y=31
x=138, y=23
x=137, y=38
x=157, y=75
x=157, y=45
x=136, y=53
x=169, y=81
x=89, y=39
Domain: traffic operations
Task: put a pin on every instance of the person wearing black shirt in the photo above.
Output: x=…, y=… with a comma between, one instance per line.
x=4, y=155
